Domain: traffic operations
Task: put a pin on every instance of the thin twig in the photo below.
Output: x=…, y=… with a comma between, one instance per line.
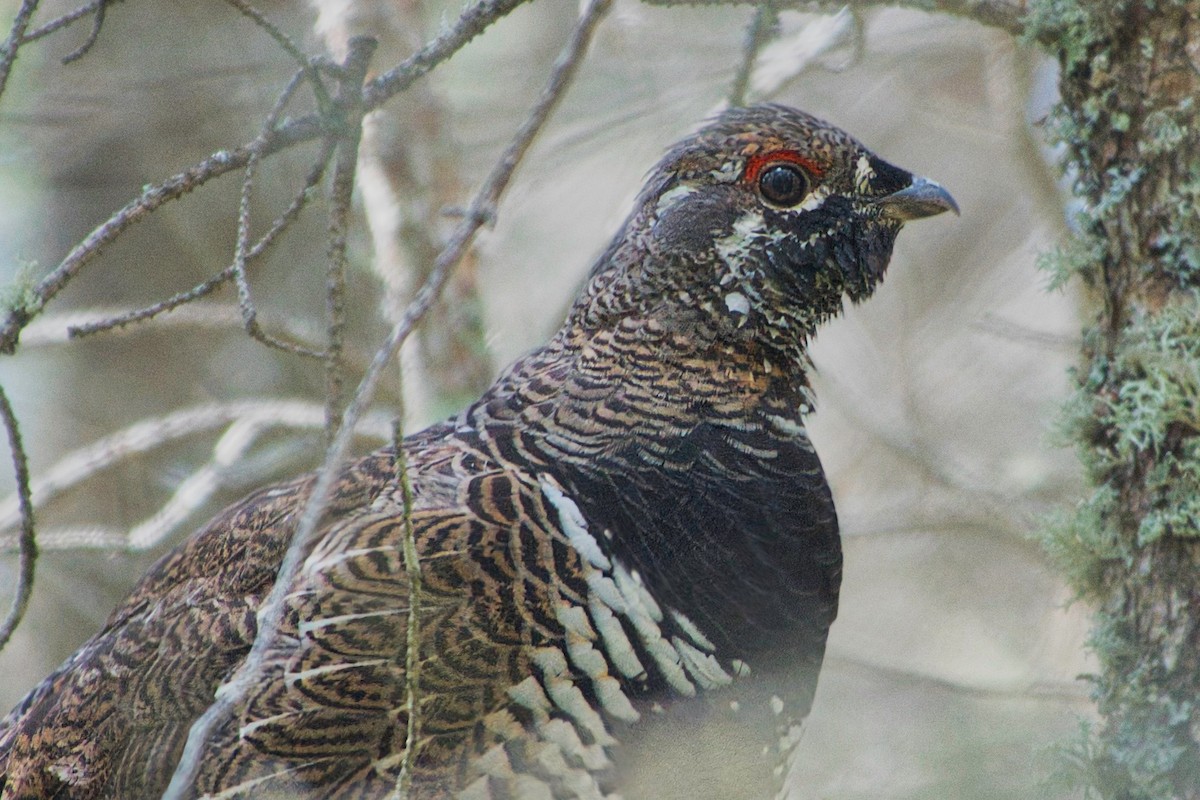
x=212, y=284
x=762, y=28
x=151, y=198
x=1004, y=14
x=97, y=23
x=270, y=614
x=60, y=329
x=51, y=330
x=15, y=37
x=341, y=201
x=27, y=543
x=63, y=21
x=472, y=22
x=290, y=47
x=241, y=247
x=412, y=646
x=1022, y=687
x=482, y=207
x=149, y=434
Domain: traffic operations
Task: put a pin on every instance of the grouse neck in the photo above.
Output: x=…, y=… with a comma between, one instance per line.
x=636, y=387
x=688, y=365
x=728, y=297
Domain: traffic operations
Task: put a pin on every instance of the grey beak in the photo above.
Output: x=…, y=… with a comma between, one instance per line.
x=923, y=198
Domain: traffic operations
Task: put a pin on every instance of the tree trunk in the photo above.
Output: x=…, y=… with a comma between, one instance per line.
x=1128, y=121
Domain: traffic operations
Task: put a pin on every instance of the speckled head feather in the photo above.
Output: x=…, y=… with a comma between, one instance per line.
x=757, y=226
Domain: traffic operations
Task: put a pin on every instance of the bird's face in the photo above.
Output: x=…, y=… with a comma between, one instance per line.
x=765, y=219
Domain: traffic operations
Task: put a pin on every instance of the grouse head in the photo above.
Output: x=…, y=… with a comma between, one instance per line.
x=755, y=228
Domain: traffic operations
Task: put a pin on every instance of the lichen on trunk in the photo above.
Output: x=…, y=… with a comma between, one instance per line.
x=1128, y=123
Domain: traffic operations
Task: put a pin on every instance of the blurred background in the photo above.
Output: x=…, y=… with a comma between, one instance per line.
x=952, y=669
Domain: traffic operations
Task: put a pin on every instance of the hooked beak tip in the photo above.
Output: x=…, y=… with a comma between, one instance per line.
x=922, y=198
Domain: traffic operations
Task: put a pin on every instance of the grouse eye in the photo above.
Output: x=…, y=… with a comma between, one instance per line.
x=783, y=184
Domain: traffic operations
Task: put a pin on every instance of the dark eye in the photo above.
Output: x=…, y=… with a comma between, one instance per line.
x=783, y=184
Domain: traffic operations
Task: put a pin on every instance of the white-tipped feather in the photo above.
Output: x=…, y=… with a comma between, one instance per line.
x=573, y=524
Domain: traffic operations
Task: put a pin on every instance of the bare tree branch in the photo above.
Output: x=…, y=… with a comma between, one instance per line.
x=306, y=64
x=63, y=21
x=409, y=173
x=1004, y=14
x=98, y=9
x=60, y=329
x=26, y=542
x=482, y=208
x=341, y=201
x=212, y=284
x=251, y=416
x=472, y=22
x=241, y=248
x=762, y=28
x=53, y=330
x=135, y=211
x=15, y=37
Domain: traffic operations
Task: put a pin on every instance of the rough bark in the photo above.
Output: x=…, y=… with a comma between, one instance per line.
x=1128, y=122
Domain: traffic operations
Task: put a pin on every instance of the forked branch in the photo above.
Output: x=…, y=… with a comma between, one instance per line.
x=312, y=126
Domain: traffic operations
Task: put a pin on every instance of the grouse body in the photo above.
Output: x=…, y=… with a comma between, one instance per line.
x=632, y=513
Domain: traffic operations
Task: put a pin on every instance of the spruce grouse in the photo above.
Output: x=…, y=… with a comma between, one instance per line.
x=631, y=514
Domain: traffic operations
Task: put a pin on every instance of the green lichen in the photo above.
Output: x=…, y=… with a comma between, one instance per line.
x=1129, y=546
x=1074, y=27
x=1080, y=541
x=1157, y=370
x=1145, y=750
x=1166, y=129
x=1076, y=258
x=1075, y=765
x=20, y=297
x=1134, y=419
